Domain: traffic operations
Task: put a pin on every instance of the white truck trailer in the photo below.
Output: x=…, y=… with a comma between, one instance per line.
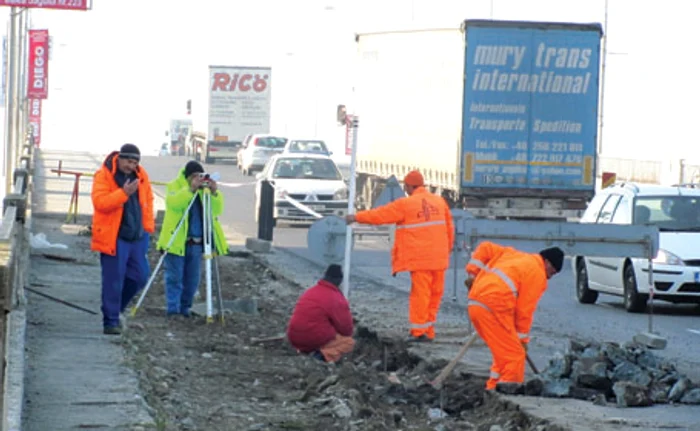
x=239, y=101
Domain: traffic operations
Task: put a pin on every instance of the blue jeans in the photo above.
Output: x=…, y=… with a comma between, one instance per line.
x=182, y=279
x=123, y=276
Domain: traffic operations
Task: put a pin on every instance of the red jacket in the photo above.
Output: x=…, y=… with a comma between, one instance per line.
x=321, y=313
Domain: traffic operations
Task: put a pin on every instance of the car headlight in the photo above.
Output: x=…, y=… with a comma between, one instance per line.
x=664, y=257
x=341, y=194
x=280, y=194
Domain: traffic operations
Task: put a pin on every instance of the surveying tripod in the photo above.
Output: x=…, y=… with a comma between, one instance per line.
x=209, y=254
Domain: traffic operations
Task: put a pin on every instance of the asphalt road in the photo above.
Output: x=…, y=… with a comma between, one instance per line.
x=559, y=314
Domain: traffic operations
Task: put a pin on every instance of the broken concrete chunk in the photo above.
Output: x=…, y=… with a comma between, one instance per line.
x=691, y=397
x=591, y=372
x=559, y=366
x=557, y=388
x=679, y=389
x=629, y=394
x=658, y=392
x=614, y=353
x=653, y=341
x=585, y=394
x=627, y=371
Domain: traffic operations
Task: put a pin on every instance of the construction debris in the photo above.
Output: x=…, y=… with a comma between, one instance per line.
x=629, y=375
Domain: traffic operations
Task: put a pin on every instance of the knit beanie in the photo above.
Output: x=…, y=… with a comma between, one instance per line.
x=193, y=167
x=334, y=274
x=555, y=256
x=130, y=151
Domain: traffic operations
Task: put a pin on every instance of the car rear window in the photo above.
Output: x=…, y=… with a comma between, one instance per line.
x=306, y=168
x=271, y=142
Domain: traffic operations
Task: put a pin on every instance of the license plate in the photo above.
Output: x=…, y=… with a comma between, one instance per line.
x=313, y=207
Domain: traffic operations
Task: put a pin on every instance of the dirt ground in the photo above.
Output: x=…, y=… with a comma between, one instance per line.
x=200, y=376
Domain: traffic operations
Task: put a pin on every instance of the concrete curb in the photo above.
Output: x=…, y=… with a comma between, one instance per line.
x=15, y=334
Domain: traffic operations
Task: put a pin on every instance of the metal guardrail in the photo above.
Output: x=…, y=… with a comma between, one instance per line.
x=14, y=266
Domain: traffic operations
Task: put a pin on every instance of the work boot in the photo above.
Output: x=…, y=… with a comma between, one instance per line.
x=420, y=339
x=510, y=388
x=112, y=330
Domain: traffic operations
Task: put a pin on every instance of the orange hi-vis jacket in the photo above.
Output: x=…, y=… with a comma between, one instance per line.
x=108, y=201
x=424, y=231
x=508, y=282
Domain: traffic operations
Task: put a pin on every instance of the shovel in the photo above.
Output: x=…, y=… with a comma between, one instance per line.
x=437, y=383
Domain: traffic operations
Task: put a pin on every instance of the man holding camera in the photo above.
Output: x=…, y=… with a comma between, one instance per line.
x=183, y=261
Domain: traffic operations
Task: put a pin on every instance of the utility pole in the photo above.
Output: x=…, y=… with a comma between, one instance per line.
x=11, y=96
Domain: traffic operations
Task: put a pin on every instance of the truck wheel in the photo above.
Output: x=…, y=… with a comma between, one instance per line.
x=583, y=293
x=634, y=301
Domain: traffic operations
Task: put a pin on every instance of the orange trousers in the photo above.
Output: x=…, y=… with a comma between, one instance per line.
x=337, y=348
x=424, y=302
x=498, y=332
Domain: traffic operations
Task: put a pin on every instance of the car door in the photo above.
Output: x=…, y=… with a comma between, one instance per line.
x=598, y=268
x=614, y=266
x=590, y=216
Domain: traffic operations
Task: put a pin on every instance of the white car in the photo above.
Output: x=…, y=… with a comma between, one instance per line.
x=311, y=180
x=676, y=268
x=258, y=150
x=313, y=146
x=164, y=150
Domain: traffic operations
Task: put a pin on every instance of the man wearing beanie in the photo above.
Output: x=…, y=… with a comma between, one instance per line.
x=183, y=262
x=121, y=227
x=321, y=324
x=505, y=286
x=422, y=245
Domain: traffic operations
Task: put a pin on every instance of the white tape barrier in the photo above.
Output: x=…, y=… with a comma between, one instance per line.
x=299, y=205
x=234, y=185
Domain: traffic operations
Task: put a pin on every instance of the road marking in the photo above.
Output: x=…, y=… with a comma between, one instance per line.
x=694, y=331
x=233, y=185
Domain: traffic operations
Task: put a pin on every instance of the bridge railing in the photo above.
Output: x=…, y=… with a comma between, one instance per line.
x=14, y=270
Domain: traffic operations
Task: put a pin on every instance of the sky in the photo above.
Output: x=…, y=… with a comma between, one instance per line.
x=119, y=71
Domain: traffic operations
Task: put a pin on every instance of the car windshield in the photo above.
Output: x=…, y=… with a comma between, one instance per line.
x=669, y=213
x=271, y=142
x=306, y=168
x=308, y=147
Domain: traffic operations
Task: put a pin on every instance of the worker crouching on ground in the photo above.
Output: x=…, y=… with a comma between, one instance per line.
x=122, y=222
x=183, y=262
x=424, y=238
x=505, y=286
x=321, y=324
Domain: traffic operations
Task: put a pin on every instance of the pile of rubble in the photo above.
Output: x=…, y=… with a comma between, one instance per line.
x=629, y=375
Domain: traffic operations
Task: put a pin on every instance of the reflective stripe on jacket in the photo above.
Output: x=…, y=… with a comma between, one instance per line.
x=178, y=197
x=108, y=201
x=424, y=230
x=507, y=282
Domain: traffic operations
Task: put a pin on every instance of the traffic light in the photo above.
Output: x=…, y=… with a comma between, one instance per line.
x=189, y=107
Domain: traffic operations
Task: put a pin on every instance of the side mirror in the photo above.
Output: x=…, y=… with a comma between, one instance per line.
x=330, y=153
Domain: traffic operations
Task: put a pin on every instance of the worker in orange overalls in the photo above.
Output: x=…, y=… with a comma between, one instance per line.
x=424, y=238
x=505, y=286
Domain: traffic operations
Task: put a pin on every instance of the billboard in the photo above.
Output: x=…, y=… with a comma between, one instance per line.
x=38, y=68
x=239, y=102
x=530, y=112
x=35, y=120
x=48, y=4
